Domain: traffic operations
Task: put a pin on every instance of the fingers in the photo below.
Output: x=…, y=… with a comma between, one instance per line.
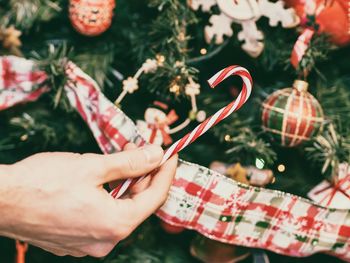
x=143, y=184
x=140, y=186
x=130, y=163
x=148, y=201
x=128, y=146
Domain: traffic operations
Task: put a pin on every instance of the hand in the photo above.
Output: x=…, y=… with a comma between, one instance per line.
x=56, y=201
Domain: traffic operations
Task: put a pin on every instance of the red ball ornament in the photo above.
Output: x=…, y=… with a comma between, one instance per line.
x=292, y=115
x=333, y=17
x=170, y=229
x=91, y=17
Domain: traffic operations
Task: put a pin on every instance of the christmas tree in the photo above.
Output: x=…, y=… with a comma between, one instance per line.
x=152, y=59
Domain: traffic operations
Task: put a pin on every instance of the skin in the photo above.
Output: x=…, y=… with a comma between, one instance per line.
x=56, y=201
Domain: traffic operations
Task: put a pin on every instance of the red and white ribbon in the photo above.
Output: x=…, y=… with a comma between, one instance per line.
x=208, y=123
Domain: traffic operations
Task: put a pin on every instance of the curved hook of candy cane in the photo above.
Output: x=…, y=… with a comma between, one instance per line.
x=208, y=123
x=219, y=115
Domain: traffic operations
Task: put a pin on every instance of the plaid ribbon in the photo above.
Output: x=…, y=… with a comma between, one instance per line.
x=207, y=201
x=19, y=81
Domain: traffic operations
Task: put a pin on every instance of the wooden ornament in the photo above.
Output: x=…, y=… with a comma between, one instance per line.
x=246, y=13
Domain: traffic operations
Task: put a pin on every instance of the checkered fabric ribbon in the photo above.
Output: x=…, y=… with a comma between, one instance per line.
x=202, y=199
x=19, y=81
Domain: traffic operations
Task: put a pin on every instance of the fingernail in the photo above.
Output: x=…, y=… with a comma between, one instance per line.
x=153, y=153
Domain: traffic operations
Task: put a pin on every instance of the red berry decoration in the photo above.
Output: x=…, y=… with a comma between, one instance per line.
x=292, y=115
x=91, y=17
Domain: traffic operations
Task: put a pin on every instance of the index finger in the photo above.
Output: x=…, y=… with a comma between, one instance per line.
x=143, y=204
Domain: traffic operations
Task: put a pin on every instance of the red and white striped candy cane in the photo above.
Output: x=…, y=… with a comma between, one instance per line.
x=300, y=46
x=208, y=123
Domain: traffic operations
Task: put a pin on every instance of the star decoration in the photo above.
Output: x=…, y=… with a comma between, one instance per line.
x=10, y=37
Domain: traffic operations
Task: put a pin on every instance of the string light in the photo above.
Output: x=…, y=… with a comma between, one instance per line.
x=259, y=163
x=179, y=64
x=281, y=168
x=182, y=36
x=24, y=137
x=175, y=89
x=227, y=138
x=160, y=59
x=203, y=51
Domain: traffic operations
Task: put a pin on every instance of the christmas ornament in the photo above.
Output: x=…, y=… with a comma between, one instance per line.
x=171, y=229
x=199, y=198
x=245, y=175
x=208, y=123
x=192, y=89
x=155, y=129
x=334, y=194
x=331, y=16
x=292, y=115
x=10, y=39
x=131, y=84
x=91, y=17
x=158, y=118
x=246, y=13
x=300, y=47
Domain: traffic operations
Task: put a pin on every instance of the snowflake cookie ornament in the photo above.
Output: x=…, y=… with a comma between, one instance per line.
x=246, y=13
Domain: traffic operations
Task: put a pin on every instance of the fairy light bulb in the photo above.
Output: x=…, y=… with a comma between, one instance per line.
x=281, y=168
x=259, y=163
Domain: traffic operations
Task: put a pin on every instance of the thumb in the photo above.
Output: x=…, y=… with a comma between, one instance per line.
x=130, y=163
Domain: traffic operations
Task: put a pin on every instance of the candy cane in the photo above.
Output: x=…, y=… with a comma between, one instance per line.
x=300, y=46
x=207, y=124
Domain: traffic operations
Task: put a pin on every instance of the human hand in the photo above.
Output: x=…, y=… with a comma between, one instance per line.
x=56, y=201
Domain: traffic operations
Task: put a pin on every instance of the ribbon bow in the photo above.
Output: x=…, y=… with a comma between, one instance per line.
x=325, y=193
x=342, y=187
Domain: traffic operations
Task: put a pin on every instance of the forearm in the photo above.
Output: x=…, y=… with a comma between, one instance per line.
x=6, y=200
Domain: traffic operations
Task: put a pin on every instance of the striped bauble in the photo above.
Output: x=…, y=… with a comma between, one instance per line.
x=292, y=115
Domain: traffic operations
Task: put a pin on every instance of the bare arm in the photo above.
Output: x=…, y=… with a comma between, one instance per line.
x=56, y=200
